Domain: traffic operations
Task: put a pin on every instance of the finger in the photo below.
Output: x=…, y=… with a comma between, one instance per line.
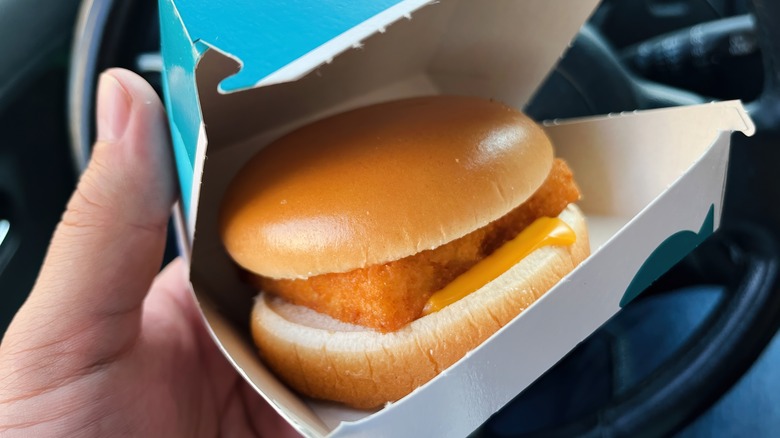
x=108, y=246
x=171, y=292
x=242, y=406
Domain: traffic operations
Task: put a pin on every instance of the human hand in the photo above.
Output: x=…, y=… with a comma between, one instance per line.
x=101, y=346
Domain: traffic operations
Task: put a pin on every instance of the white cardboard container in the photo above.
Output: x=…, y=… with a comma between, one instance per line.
x=239, y=74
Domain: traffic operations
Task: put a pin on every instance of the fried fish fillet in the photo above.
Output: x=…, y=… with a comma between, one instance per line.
x=388, y=296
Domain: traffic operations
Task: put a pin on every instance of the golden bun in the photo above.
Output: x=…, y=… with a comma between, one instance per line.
x=328, y=359
x=380, y=183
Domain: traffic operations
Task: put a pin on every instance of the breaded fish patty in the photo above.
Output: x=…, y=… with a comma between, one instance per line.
x=388, y=296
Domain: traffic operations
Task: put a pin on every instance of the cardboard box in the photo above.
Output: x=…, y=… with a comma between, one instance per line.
x=239, y=74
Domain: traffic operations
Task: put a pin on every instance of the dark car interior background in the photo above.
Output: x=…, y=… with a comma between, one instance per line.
x=690, y=357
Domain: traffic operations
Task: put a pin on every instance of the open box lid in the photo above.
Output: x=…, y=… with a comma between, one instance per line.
x=280, y=41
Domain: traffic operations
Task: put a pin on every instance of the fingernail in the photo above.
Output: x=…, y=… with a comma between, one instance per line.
x=113, y=109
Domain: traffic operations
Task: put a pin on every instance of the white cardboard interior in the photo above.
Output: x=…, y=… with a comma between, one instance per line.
x=630, y=167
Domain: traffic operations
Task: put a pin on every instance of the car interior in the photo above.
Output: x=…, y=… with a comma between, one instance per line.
x=695, y=355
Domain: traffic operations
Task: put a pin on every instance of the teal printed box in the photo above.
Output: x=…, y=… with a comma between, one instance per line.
x=241, y=73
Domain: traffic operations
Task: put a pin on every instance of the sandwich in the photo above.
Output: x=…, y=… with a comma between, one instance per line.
x=390, y=240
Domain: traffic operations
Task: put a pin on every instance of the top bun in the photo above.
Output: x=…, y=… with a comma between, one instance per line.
x=380, y=183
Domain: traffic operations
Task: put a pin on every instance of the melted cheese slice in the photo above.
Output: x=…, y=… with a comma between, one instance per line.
x=545, y=231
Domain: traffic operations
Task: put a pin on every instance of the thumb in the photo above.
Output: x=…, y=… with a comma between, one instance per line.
x=108, y=246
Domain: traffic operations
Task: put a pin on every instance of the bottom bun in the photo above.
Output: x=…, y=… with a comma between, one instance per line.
x=331, y=360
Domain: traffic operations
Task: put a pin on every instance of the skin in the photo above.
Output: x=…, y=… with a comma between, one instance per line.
x=105, y=345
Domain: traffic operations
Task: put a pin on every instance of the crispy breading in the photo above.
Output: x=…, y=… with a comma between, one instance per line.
x=388, y=296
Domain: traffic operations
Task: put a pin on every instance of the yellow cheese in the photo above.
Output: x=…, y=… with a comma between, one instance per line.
x=544, y=231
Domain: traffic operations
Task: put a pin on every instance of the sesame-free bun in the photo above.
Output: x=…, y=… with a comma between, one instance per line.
x=328, y=359
x=380, y=183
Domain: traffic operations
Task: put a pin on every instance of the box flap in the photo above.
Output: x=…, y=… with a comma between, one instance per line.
x=279, y=41
x=181, y=99
x=671, y=138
